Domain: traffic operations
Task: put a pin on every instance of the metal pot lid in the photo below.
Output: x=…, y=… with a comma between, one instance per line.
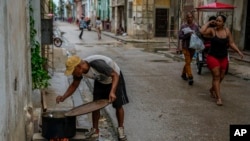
x=87, y=108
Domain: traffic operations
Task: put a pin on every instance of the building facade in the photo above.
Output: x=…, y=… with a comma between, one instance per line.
x=148, y=18
x=16, y=83
x=118, y=15
x=78, y=8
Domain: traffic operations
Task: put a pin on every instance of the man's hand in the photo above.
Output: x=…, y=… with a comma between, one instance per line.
x=241, y=54
x=112, y=97
x=59, y=99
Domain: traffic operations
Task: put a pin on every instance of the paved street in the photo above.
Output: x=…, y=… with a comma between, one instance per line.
x=163, y=107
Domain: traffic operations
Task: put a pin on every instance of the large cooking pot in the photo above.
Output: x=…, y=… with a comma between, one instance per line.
x=62, y=124
x=56, y=125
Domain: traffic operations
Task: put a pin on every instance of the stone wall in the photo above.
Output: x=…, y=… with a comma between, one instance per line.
x=15, y=76
x=142, y=23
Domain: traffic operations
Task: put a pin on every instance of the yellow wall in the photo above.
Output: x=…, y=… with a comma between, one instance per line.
x=162, y=2
x=157, y=2
x=137, y=2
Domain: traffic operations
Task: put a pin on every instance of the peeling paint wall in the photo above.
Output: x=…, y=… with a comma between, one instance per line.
x=15, y=74
x=78, y=9
x=239, y=22
x=162, y=2
x=103, y=9
x=142, y=23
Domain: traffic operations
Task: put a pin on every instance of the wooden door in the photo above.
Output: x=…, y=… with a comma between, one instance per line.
x=161, y=22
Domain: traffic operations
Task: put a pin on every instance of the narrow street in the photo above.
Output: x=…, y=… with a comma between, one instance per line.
x=144, y=38
x=163, y=107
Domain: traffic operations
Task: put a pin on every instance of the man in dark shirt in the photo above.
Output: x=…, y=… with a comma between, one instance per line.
x=185, y=33
x=109, y=84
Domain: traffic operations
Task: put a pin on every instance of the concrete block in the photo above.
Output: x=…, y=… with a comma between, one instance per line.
x=38, y=137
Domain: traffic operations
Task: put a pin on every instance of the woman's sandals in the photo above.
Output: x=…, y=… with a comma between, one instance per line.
x=219, y=102
x=212, y=94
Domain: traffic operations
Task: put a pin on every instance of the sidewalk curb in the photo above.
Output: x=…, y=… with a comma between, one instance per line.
x=119, y=37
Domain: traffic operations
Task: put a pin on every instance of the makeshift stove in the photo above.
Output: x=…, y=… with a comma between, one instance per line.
x=58, y=127
x=61, y=125
x=55, y=125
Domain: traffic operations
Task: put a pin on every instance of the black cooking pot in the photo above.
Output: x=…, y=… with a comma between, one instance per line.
x=56, y=125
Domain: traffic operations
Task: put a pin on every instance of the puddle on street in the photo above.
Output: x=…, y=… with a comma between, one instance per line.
x=164, y=61
x=156, y=48
x=150, y=47
x=79, y=43
x=88, y=46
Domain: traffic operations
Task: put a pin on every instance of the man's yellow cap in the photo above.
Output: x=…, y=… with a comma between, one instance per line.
x=71, y=63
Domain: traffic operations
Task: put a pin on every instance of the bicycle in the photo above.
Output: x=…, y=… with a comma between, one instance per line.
x=57, y=40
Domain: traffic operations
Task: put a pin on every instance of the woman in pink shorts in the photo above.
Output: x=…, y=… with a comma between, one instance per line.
x=217, y=59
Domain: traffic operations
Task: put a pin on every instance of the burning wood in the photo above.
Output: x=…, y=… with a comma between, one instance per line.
x=59, y=139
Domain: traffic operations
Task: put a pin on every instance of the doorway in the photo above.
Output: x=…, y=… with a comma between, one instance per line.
x=247, y=34
x=120, y=17
x=83, y=10
x=161, y=22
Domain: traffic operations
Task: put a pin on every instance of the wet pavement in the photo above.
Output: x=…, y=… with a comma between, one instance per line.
x=59, y=82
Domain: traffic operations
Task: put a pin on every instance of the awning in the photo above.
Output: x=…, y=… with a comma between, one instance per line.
x=216, y=6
